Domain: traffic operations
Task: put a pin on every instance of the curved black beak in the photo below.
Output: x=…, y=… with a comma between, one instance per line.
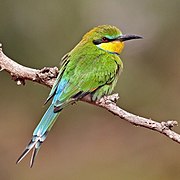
x=127, y=37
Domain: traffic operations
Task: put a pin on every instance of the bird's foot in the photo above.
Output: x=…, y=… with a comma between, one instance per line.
x=109, y=99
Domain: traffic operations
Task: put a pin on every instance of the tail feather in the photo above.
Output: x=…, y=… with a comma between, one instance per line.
x=34, y=154
x=26, y=151
x=35, y=151
x=39, y=134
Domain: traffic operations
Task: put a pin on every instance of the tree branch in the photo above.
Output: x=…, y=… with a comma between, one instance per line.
x=47, y=75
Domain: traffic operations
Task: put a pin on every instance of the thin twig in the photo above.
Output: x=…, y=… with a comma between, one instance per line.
x=46, y=76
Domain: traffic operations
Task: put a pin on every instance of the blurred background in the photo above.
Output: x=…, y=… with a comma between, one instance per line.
x=88, y=142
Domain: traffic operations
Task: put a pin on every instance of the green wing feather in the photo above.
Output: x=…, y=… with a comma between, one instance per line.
x=64, y=62
x=88, y=75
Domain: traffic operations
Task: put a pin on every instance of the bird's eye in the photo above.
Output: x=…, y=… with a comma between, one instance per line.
x=104, y=39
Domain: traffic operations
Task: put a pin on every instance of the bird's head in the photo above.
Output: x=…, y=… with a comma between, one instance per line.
x=108, y=38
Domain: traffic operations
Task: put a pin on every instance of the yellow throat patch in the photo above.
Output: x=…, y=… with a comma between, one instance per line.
x=112, y=47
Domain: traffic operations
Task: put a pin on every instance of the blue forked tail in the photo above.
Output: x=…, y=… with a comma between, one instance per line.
x=40, y=134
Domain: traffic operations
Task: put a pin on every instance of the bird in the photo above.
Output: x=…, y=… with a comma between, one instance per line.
x=91, y=68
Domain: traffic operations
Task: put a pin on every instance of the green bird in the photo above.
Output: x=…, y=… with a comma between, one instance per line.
x=91, y=68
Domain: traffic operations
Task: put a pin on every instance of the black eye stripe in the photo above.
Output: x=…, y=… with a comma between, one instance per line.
x=97, y=41
x=103, y=40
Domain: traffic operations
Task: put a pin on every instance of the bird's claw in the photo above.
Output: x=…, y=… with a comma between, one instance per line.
x=109, y=99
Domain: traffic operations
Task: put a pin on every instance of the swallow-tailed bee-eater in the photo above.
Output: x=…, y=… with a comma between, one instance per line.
x=91, y=68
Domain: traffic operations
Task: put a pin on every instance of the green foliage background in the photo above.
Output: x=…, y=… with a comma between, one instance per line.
x=87, y=142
